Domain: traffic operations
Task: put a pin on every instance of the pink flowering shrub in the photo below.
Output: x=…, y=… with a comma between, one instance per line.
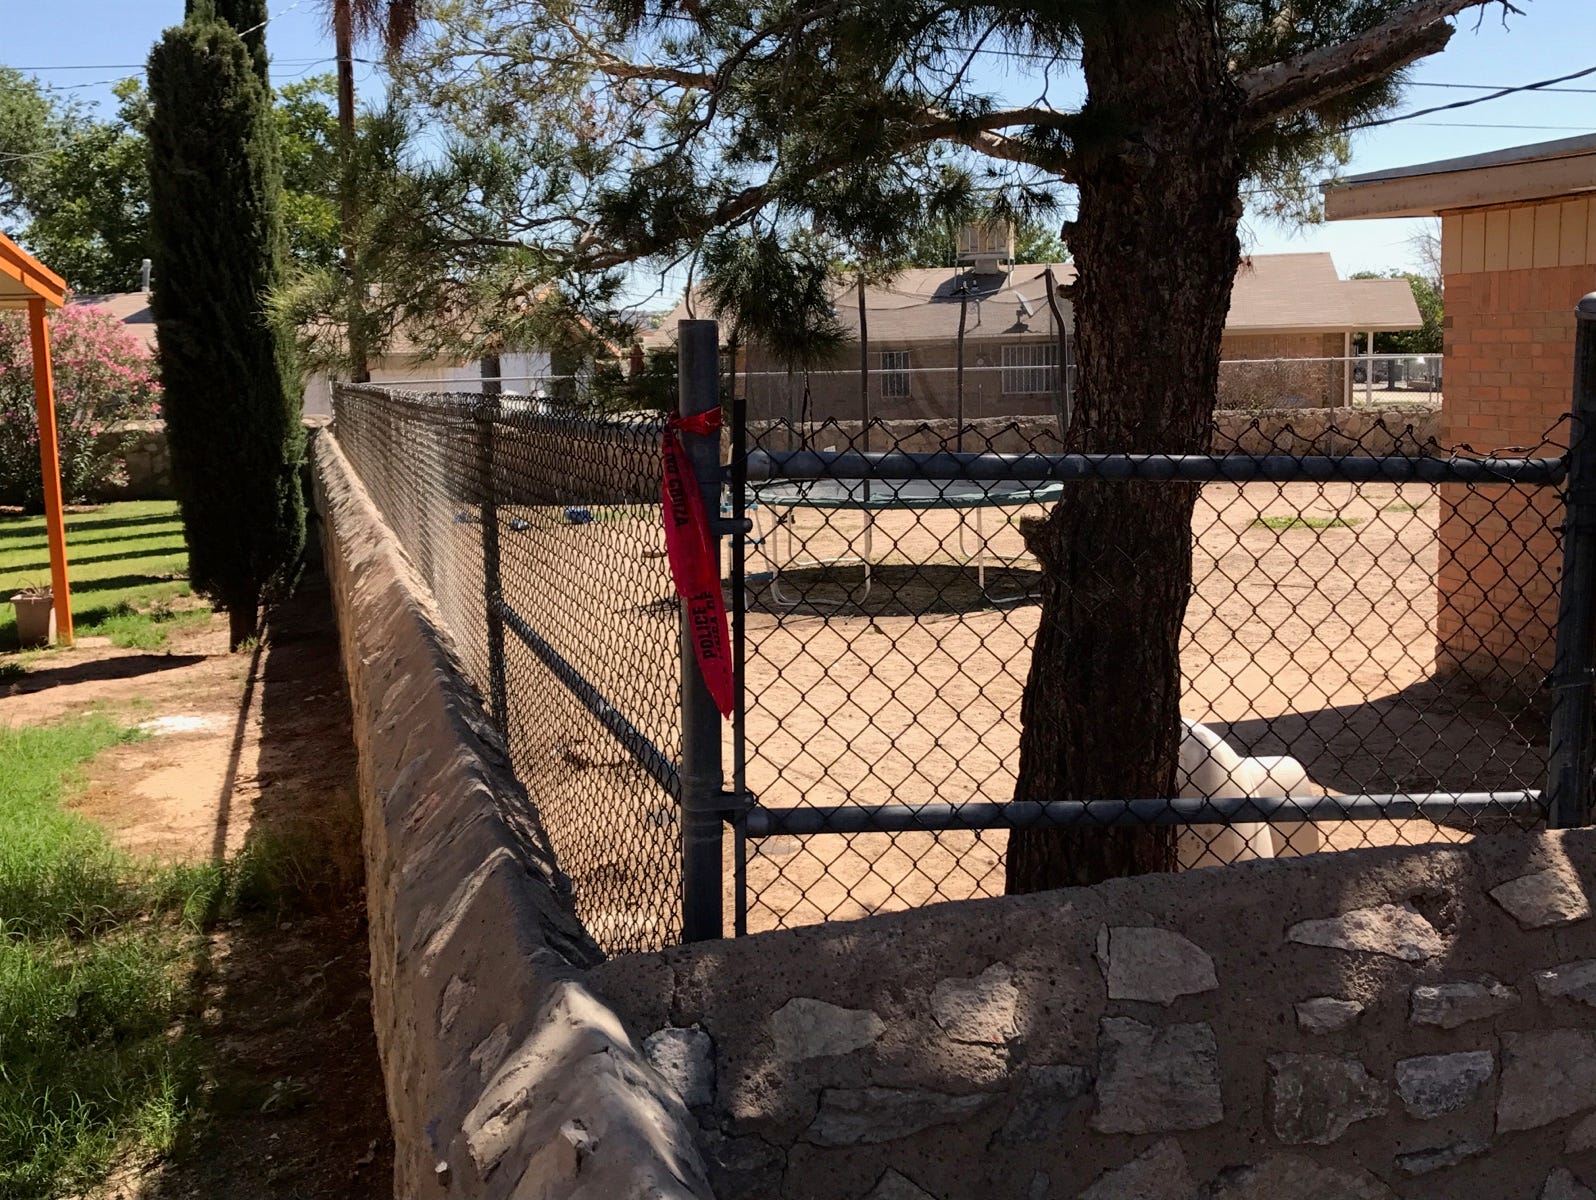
x=103, y=376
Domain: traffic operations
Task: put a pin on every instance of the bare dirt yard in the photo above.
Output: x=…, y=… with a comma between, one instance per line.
x=1310, y=632
x=248, y=756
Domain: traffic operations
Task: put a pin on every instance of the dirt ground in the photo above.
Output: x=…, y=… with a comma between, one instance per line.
x=248, y=751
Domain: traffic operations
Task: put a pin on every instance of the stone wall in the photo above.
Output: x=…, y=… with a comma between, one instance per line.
x=505, y=1075
x=146, y=463
x=1413, y=1022
x=1388, y=429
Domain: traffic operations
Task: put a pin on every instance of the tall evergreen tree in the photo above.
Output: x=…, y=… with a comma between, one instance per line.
x=232, y=390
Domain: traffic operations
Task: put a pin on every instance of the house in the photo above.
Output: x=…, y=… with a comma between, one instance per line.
x=1518, y=250
x=402, y=363
x=1285, y=306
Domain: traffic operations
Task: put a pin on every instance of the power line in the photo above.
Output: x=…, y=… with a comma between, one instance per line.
x=1492, y=87
x=1483, y=125
x=1496, y=95
x=287, y=62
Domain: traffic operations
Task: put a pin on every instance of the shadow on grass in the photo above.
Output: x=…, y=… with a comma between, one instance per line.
x=33, y=526
x=118, y=583
x=80, y=560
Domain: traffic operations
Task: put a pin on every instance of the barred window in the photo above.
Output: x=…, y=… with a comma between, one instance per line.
x=895, y=374
x=1030, y=369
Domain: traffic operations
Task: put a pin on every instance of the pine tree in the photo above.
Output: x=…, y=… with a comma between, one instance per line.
x=829, y=120
x=232, y=390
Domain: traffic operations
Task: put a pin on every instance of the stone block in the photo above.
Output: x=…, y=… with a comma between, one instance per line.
x=1326, y=1014
x=685, y=1058
x=1293, y=1177
x=1582, y=1137
x=1159, y=1173
x=1449, y=1005
x=804, y=1028
x=1438, y=1158
x=979, y=1010
x=1546, y=1075
x=1394, y=930
x=894, y=1185
x=1317, y=1097
x=1433, y=1084
x=1562, y=1184
x=1544, y=899
x=1155, y=1080
x=1046, y=1096
x=1569, y=981
x=1157, y=966
x=869, y=1116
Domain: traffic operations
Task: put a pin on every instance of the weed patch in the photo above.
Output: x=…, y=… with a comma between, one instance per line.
x=1298, y=522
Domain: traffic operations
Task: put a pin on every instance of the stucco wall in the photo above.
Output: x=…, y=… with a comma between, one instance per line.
x=505, y=1075
x=1412, y=1022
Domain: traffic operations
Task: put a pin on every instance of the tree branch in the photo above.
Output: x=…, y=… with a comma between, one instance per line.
x=1414, y=31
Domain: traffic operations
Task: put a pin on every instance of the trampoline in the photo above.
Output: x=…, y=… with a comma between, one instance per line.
x=873, y=496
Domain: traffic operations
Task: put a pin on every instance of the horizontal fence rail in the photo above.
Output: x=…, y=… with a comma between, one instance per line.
x=1023, y=814
x=951, y=466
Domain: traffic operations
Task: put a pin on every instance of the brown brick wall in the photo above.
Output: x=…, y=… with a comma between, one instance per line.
x=1509, y=366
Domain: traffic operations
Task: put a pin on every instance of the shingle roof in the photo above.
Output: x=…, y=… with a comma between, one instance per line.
x=1274, y=293
x=131, y=308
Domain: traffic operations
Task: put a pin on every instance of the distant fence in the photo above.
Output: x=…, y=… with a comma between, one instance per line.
x=884, y=611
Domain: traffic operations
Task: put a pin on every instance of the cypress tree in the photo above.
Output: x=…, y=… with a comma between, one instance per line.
x=232, y=390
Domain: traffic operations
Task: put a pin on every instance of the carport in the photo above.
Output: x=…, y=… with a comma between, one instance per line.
x=26, y=283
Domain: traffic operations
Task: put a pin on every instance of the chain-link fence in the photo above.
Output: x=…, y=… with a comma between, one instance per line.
x=1373, y=629
x=1370, y=625
x=538, y=531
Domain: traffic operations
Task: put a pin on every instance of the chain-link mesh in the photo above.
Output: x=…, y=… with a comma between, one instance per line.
x=1341, y=638
x=559, y=516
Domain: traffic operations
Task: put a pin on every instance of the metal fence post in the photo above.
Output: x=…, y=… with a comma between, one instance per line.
x=1568, y=784
x=698, y=381
x=486, y=412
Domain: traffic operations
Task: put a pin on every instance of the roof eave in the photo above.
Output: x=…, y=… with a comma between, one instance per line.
x=1557, y=169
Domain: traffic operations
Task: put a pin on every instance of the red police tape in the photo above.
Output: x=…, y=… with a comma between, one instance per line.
x=694, y=554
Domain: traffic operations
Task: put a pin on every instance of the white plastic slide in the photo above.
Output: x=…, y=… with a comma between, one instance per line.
x=1210, y=767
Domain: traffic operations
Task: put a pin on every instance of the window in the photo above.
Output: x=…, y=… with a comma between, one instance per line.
x=1030, y=369
x=894, y=374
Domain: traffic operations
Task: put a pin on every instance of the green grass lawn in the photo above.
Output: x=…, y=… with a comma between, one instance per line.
x=128, y=566
x=93, y=954
x=99, y=1056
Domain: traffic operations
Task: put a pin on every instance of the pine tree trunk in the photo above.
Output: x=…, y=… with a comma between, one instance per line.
x=1162, y=167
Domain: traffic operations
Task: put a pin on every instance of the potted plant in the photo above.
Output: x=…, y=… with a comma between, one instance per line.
x=35, y=607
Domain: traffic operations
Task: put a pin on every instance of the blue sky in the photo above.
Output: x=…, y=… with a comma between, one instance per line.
x=105, y=39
